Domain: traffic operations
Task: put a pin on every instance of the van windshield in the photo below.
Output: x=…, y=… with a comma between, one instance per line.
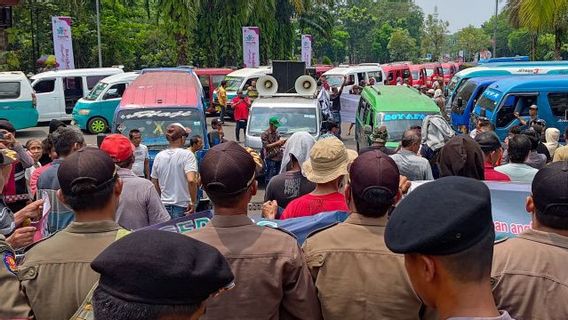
x=453, y=83
x=233, y=83
x=398, y=122
x=486, y=102
x=429, y=71
x=96, y=91
x=447, y=71
x=334, y=80
x=152, y=123
x=291, y=120
x=415, y=75
x=465, y=93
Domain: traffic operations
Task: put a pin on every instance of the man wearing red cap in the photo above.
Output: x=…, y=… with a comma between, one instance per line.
x=140, y=205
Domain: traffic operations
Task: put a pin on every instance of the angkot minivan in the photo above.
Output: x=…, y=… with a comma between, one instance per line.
x=17, y=100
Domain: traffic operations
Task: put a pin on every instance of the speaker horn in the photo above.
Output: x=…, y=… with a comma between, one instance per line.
x=266, y=85
x=305, y=85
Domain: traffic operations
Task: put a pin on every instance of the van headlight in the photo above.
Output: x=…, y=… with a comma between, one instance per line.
x=84, y=112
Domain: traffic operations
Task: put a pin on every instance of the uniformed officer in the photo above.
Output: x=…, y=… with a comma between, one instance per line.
x=272, y=279
x=534, y=263
x=56, y=274
x=445, y=230
x=356, y=275
x=180, y=274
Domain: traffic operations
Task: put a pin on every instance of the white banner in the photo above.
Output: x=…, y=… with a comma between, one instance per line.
x=307, y=49
x=62, y=42
x=251, y=46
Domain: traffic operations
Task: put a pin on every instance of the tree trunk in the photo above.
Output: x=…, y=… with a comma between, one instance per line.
x=557, y=43
x=182, y=42
x=534, y=40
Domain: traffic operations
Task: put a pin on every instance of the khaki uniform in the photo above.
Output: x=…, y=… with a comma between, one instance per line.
x=13, y=304
x=530, y=276
x=356, y=275
x=272, y=280
x=56, y=274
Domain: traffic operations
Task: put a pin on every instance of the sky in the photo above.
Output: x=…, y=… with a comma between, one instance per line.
x=461, y=13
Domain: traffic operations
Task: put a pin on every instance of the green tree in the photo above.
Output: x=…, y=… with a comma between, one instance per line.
x=357, y=22
x=380, y=42
x=517, y=42
x=504, y=28
x=472, y=40
x=401, y=46
x=434, y=36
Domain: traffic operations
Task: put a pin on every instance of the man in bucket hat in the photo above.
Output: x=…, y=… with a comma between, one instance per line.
x=327, y=165
x=378, y=138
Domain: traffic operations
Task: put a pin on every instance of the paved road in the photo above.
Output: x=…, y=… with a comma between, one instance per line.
x=40, y=132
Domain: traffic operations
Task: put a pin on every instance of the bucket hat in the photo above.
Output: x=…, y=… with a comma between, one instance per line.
x=328, y=161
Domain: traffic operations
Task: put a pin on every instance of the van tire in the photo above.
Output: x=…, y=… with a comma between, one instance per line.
x=97, y=125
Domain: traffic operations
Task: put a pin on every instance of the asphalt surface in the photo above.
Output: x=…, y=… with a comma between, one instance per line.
x=41, y=131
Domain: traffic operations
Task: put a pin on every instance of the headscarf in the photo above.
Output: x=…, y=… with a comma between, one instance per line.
x=552, y=136
x=299, y=144
x=437, y=93
x=461, y=156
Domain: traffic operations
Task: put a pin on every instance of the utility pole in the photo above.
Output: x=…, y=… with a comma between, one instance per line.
x=99, y=35
x=495, y=29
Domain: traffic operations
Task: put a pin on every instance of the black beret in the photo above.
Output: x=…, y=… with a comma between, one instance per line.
x=162, y=267
x=441, y=217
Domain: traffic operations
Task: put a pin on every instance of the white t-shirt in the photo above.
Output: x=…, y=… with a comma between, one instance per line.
x=170, y=168
x=140, y=154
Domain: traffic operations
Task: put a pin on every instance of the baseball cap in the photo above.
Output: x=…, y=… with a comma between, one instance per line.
x=550, y=187
x=379, y=135
x=118, y=147
x=374, y=170
x=274, y=121
x=7, y=125
x=85, y=172
x=227, y=170
x=534, y=106
x=488, y=141
x=176, y=269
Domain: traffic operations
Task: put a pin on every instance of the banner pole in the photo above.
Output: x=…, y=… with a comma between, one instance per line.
x=99, y=35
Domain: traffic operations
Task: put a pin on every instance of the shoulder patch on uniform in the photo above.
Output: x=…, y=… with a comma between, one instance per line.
x=322, y=229
x=9, y=261
x=500, y=240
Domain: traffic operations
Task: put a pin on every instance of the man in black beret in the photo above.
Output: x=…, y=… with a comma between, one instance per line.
x=171, y=280
x=529, y=272
x=273, y=280
x=445, y=230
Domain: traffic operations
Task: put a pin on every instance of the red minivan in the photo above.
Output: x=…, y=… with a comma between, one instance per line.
x=394, y=71
x=418, y=75
x=210, y=79
x=434, y=72
x=449, y=71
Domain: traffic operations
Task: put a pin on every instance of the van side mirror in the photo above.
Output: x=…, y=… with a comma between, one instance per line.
x=460, y=102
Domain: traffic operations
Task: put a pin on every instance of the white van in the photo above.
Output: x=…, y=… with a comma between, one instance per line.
x=295, y=113
x=355, y=74
x=241, y=80
x=17, y=100
x=58, y=91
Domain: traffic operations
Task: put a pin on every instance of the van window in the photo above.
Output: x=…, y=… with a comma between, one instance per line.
x=217, y=80
x=559, y=104
x=405, y=74
x=44, y=86
x=377, y=75
x=73, y=91
x=390, y=77
x=514, y=103
x=205, y=83
x=93, y=80
x=361, y=77
x=361, y=109
x=116, y=91
x=9, y=90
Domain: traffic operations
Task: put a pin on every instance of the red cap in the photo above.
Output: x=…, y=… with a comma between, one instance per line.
x=118, y=147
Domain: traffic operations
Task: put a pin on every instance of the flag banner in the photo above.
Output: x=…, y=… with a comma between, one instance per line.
x=251, y=46
x=307, y=49
x=63, y=42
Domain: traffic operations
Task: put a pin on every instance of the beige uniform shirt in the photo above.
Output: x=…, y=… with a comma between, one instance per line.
x=13, y=304
x=530, y=276
x=56, y=274
x=272, y=280
x=356, y=275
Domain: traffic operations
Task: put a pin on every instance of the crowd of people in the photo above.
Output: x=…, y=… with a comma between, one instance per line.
x=74, y=213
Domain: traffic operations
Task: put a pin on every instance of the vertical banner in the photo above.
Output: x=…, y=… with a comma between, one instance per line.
x=62, y=42
x=251, y=46
x=307, y=49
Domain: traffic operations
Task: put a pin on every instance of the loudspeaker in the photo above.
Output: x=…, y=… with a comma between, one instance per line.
x=305, y=85
x=286, y=73
x=266, y=85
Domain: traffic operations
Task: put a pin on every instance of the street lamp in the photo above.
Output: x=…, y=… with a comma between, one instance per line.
x=99, y=35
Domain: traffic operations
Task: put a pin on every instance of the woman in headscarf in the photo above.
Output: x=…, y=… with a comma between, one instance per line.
x=441, y=102
x=552, y=136
x=291, y=183
x=461, y=156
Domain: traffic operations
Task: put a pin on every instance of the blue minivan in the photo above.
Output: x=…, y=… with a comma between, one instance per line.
x=503, y=98
x=464, y=100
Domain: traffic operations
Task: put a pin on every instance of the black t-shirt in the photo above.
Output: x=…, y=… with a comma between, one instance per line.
x=335, y=103
x=288, y=186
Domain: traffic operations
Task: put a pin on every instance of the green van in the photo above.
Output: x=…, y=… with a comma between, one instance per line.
x=396, y=107
x=94, y=112
x=17, y=100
